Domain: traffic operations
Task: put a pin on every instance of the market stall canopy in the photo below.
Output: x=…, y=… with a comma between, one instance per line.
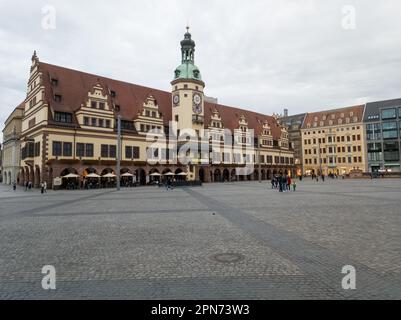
x=169, y=174
x=156, y=174
x=71, y=175
x=182, y=174
x=109, y=175
x=127, y=175
x=92, y=175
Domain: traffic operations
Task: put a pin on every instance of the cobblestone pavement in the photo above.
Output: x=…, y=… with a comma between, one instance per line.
x=219, y=241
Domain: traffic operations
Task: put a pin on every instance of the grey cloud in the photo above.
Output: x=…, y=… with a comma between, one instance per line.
x=262, y=55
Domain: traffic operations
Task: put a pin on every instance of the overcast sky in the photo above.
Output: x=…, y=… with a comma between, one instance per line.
x=303, y=55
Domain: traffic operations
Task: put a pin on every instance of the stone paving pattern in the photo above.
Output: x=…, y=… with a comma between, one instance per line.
x=149, y=243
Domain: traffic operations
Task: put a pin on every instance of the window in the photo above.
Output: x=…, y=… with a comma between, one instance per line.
x=104, y=150
x=57, y=97
x=375, y=152
x=89, y=150
x=80, y=150
x=67, y=149
x=113, y=151
x=31, y=123
x=63, y=117
x=93, y=122
x=113, y=94
x=127, y=125
x=101, y=105
x=93, y=104
x=373, y=131
x=54, y=82
x=128, y=152
x=135, y=152
x=389, y=114
x=108, y=123
x=37, y=149
x=57, y=152
x=391, y=151
x=86, y=121
x=101, y=123
x=390, y=130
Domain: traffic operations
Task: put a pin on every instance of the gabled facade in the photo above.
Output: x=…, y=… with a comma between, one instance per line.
x=69, y=126
x=10, y=155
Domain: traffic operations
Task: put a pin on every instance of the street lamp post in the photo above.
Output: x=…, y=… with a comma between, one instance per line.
x=118, y=150
x=260, y=165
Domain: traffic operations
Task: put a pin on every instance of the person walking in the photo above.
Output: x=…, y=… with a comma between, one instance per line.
x=289, y=183
x=294, y=186
x=42, y=187
x=280, y=182
x=273, y=183
x=26, y=185
x=14, y=186
x=45, y=186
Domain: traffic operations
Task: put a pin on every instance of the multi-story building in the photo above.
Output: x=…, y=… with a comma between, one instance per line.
x=70, y=122
x=11, y=146
x=383, y=132
x=333, y=141
x=294, y=124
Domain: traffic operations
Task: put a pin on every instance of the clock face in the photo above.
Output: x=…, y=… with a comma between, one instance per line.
x=176, y=99
x=197, y=99
x=197, y=109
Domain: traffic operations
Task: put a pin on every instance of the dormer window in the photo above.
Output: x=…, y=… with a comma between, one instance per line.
x=112, y=94
x=196, y=73
x=57, y=97
x=101, y=105
x=54, y=82
x=93, y=104
x=63, y=117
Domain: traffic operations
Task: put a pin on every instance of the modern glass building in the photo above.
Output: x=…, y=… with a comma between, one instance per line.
x=383, y=132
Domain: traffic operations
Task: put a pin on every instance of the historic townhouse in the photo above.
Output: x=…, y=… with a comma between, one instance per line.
x=294, y=124
x=69, y=127
x=11, y=146
x=333, y=142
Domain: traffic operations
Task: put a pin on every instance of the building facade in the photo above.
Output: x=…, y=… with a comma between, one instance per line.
x=69, y=127
x=11, y=146
x=383, y=132
x=294, y=124
x=333, y=142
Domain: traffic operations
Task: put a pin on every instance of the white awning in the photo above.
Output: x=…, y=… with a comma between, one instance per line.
x=155, y=174
x=127, y=174
x=71, y=175
x=92, y=175
x=109, y=175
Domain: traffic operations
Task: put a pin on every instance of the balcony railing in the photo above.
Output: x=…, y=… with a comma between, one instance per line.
x=198, y=119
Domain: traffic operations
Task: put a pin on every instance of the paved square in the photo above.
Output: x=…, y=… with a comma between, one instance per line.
x=219, y=241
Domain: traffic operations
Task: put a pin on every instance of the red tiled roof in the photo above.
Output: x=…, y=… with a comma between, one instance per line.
x=74, y=86
x=322, y=118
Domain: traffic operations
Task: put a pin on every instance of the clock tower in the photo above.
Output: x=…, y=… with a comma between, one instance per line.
x=187, y=89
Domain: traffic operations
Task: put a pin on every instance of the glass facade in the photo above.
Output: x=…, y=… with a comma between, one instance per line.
x=373, y=132
x=390, y=130
x=391, y=151
x=389, y=114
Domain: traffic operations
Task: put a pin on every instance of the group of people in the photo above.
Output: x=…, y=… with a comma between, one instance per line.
x=283, y=183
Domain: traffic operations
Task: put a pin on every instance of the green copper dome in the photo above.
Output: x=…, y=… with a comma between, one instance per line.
x=187, y=69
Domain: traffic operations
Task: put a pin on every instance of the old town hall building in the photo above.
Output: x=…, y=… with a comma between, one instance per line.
x=69, y=127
